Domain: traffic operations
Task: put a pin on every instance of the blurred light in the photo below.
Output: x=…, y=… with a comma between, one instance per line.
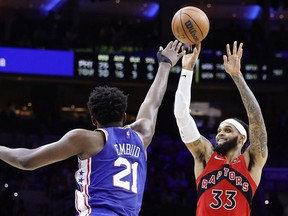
x=151, y=10
x=281, y=16
x=53, y=4
x=6, y=185
x=266, y=202
x=253, y=11
x=15, y=194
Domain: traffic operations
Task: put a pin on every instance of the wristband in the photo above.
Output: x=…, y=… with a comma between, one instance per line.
x=162, y=58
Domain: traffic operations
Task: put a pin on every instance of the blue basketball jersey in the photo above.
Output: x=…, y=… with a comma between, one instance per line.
x=112, y=182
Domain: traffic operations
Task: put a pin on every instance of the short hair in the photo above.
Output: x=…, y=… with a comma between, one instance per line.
x=107, y=104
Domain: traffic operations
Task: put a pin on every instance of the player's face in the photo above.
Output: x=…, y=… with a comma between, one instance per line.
x=226, y=138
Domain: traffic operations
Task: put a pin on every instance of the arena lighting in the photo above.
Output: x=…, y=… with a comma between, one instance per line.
x=52, y=4
x=252, y=11
x=151, y=9
x=243, y=12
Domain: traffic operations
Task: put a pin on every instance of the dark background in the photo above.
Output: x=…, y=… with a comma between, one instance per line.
x=40, y=109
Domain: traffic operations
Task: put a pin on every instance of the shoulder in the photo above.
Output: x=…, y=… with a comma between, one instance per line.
x=89, y=142
x=144, y=129
x=83, y=137
x=80, y=133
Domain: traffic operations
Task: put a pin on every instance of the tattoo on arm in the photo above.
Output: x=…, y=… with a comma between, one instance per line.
x=257, y=128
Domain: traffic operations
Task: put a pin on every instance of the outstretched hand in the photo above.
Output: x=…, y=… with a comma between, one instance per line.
x=232, y=61
x=189, y=60
x=171, y=52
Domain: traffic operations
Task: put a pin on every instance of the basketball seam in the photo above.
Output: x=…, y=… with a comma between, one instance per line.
x=195, y=23
x=201, y=12
x=187, y=36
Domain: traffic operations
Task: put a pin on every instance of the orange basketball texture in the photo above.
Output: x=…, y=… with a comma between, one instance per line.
x=190, y=25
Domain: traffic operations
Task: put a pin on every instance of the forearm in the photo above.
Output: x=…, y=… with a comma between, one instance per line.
x=158, y=88
x=257, y=129
x=14, y=157
x=186, y=124
x=183, y=94
x=153, y=99
x=249, y=100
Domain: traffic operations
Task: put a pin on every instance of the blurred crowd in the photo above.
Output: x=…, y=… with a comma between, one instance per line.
x=170, y=186
x=57, y=32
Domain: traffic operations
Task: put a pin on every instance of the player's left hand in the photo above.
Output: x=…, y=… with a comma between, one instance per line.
x=232, y=61
x=171, y=51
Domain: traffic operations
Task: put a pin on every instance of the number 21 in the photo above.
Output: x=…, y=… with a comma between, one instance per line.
x=131, y=169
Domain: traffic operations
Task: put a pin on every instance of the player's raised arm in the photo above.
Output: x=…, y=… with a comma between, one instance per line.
x=147, y=114
x=257, y=153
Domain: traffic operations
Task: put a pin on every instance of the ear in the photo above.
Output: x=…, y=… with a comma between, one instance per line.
x=94, y=121
x=242, y=139
x=124, y=118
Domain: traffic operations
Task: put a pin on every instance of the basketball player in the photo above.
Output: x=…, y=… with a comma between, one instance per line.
x=226, y=176
x=112, y=158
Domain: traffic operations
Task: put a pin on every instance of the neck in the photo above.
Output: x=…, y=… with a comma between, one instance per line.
x=111, y=124
x=232, y=155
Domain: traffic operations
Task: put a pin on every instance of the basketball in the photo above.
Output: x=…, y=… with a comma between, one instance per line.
x=190, y=25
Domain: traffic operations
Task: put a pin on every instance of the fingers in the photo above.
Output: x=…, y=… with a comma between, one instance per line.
x=176, y=45
x=169, y=45
x=235, y=48
x=228, y=50
x=183, y=52
x=183, y=49
x=236, y=51
x=240, y=50
x=225, y=60
x=198, y=46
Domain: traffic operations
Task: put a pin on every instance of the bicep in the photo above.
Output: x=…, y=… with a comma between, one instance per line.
x=254, y=163
x=53, y=152
x=201, y=149
x=256, y=155
x=258, y=149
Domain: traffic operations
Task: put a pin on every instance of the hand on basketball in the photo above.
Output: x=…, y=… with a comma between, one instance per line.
x=232, y=61
x=171, y=51
x=189, y=60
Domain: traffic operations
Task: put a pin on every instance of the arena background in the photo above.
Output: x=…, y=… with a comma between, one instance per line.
x=115, y=43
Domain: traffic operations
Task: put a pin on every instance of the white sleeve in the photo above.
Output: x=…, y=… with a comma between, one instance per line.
x=186, y=124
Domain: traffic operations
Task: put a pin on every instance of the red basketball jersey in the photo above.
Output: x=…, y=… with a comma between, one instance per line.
x=225, y=189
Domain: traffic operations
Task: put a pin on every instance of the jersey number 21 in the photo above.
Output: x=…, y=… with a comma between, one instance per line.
x=131, y=169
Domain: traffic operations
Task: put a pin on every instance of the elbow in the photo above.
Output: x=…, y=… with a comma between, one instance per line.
x=180, y=112
x=25, y=163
